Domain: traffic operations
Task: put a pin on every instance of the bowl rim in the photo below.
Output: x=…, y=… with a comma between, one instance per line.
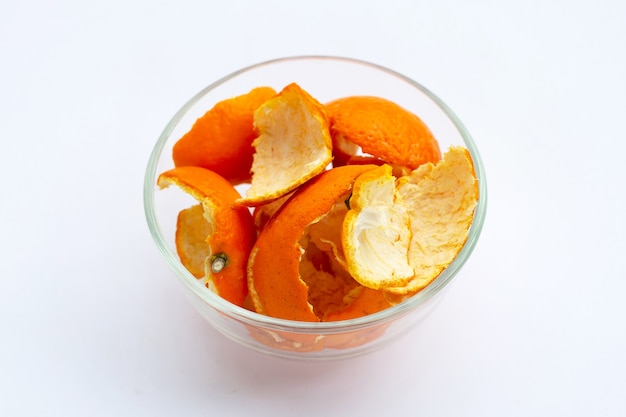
x=271, y=323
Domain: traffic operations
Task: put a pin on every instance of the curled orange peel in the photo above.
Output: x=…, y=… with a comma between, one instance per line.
x=293, y=146
x=221, y=139
x=274, y=279
x=376, y=232
x=382, y=129
x=435, y=203
x=231, y=231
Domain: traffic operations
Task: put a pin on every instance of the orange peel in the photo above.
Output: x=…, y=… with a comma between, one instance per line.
x=381, y=128
x=231, y=229
x=274, y=279
x=192, y=230
x=376, y=232
x=221, y=139
x=435, y=203
x=293, y=146
x=441, y=199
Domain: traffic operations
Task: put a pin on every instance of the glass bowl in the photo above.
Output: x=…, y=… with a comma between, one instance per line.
x=325, y=78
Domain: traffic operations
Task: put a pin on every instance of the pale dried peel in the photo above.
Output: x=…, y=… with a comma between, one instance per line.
x=321, y=265
x=293, y=146
x=262, y=213
x=326, y=233
x=376, y=232
x=433, y=206
x=328, y=284
x=440, y=200
x=191, y=245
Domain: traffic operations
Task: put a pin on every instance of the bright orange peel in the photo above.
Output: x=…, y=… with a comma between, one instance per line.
x=221, y=139
x=381, y=128
x=231, y=230
x=274, y=278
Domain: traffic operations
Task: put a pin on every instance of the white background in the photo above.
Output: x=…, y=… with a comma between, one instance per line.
x=92, y=321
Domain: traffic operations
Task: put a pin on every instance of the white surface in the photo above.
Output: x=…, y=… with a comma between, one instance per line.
x=93, y=322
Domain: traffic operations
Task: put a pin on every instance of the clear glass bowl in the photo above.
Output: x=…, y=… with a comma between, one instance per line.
x=325, y=78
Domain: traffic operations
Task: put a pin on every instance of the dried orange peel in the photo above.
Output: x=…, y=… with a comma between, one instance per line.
x=402, y=234
x=231, y=231
x=293, y=146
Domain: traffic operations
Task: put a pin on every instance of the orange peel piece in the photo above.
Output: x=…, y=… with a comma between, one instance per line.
x=441, y=199
x=438, y=200
x=274, y=279
x=231, y=230
x=376, y=232
x=293, y=146
x=221, y=139
x=192, y=230
x=381, y=128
